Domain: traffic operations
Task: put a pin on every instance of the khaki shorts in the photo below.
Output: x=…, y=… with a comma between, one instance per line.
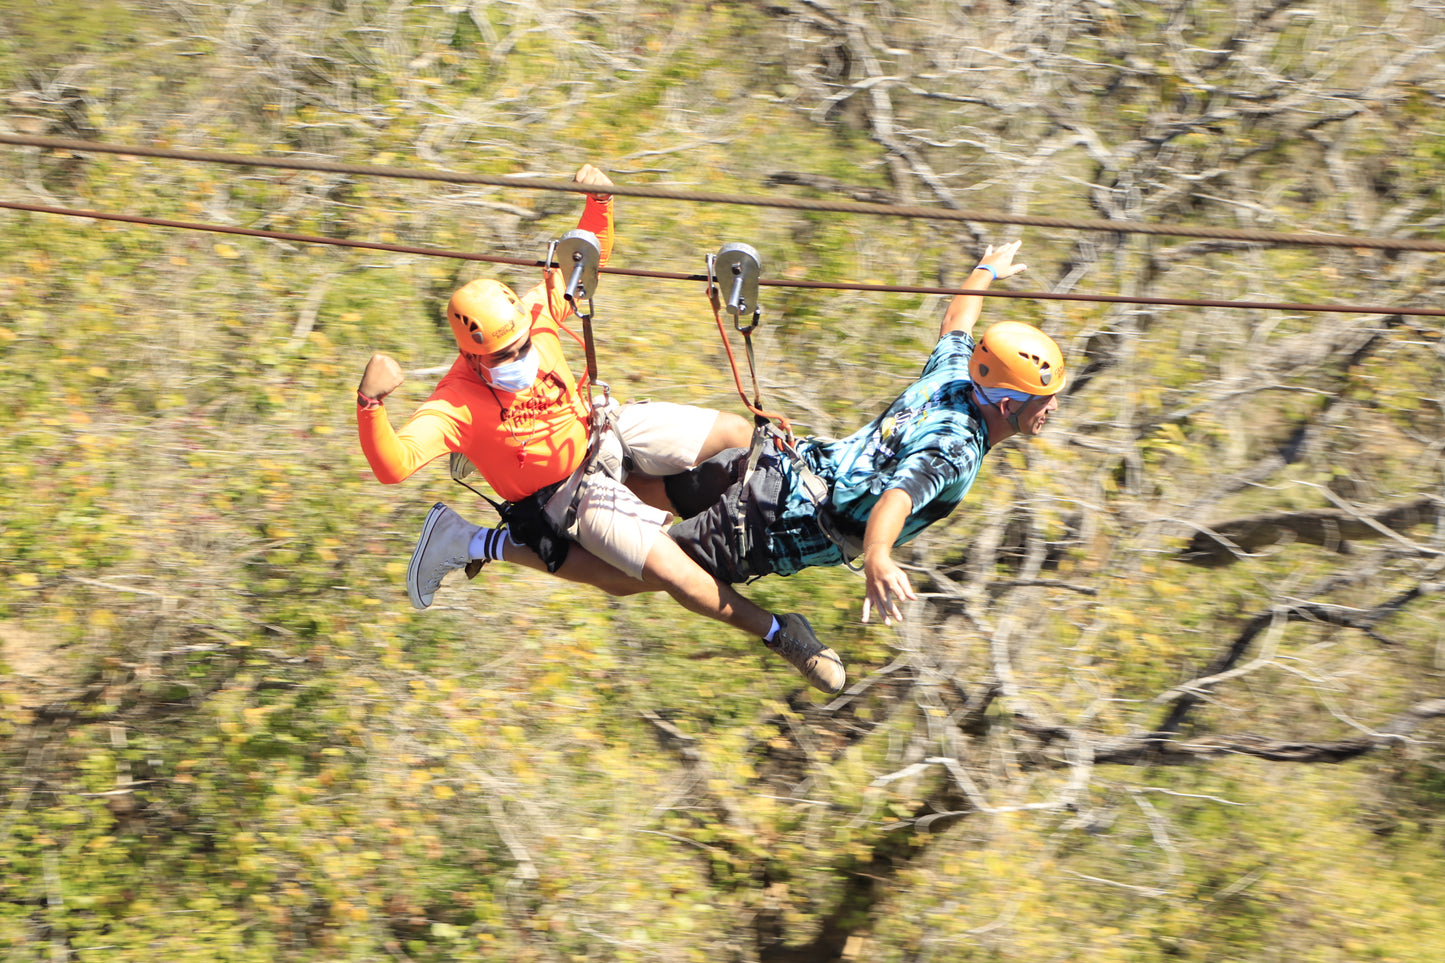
x=613, y=523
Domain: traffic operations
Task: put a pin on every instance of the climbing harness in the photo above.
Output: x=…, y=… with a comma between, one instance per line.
x=738, y=268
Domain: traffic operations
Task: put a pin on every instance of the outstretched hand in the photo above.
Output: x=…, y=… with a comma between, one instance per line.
x=886, y=585
x=381, y=377
x=1001, y=259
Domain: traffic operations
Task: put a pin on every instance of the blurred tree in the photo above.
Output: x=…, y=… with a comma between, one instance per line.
x=1100, y=732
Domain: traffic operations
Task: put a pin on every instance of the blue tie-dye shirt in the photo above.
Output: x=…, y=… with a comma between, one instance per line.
x=929, y=443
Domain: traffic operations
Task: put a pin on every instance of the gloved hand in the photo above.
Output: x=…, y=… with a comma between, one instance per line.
x=381, y=377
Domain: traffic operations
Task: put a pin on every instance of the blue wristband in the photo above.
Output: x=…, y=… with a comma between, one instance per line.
x=989, y=269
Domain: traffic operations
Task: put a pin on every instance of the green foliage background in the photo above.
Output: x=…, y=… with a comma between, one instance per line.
x=226, y=736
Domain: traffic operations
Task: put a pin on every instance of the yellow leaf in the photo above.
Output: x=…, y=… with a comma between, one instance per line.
x=226, y=251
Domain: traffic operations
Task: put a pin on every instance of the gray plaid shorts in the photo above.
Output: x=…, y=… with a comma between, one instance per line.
x=725, y=521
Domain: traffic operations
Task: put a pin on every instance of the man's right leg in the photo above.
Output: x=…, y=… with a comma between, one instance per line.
x=670, y=428
x=669, y=569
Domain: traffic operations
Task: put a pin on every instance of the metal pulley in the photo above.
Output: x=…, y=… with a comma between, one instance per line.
x=579, y=255
x=734, y=272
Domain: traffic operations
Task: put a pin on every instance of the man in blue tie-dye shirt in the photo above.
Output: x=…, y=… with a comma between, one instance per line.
x=891, y=479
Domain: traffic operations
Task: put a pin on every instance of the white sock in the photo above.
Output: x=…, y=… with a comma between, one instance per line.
x=488, y=543
x=772, y=631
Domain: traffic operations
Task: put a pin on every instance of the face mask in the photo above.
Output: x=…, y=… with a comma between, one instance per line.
x=515, y=375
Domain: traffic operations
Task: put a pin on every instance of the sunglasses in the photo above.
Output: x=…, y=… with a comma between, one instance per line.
x=499, y=358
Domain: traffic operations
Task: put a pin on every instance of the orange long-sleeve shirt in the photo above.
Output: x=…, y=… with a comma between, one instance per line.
x=520, y=441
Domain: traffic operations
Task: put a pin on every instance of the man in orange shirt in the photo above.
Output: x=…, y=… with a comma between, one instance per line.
x=511, y=405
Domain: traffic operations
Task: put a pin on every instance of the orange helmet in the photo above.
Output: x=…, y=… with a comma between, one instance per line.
x=485, y=316
x=1017, y=356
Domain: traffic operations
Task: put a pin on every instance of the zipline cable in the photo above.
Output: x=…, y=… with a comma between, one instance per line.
x=788, y=203
x=767, y=282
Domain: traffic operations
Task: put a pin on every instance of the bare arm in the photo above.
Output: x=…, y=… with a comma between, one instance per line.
x=886, y=582
x=964, y=309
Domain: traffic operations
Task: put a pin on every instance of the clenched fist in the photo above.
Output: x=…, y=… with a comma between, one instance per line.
x=381, y=377
x=589, y=175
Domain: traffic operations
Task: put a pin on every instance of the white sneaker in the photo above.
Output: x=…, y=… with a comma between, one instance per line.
x=444, y=546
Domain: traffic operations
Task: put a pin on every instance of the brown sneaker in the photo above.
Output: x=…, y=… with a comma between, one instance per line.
x=796, y=642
